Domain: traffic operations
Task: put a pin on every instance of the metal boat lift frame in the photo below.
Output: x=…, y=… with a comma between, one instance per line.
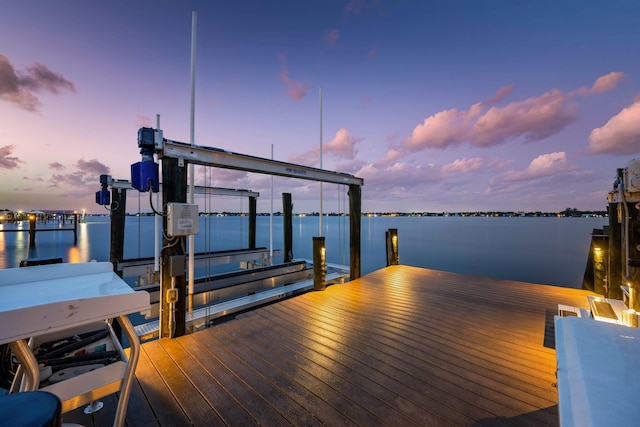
x=175, y=157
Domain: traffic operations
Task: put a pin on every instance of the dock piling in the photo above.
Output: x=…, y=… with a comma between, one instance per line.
x=319, y=264
x=391, y=237
x=32, y=230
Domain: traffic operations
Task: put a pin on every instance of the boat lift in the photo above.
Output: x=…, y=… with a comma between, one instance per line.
x=180, y=218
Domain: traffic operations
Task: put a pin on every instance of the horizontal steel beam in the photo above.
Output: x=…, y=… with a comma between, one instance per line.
x=216, y=157
x=214, y=191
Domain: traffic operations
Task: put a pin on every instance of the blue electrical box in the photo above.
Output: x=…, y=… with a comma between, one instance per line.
x=103, y=197
x=142, y=173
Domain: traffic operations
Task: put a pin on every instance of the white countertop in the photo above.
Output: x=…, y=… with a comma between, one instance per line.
x=598, y=373
x=48, y=298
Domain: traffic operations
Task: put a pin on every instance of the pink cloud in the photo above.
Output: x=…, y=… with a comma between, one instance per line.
x=620, y=135
x=373, y=52
x=542, y=166
x=295, y=89
x=7, y=161
x=461, y=166
x=18, y=87
x=341, y=146
x=603, y=84
x=501, y=94
x=331, y=36
x=533, y=119
x=483, y=125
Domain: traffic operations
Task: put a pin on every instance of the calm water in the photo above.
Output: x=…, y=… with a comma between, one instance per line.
x=538, y=250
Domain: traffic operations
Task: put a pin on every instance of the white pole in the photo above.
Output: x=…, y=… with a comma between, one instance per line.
x=320, y=159
x=271, y=219
x=194, y=19
x=156, y=241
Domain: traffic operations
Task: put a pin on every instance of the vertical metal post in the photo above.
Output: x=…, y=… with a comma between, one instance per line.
x=319, y=264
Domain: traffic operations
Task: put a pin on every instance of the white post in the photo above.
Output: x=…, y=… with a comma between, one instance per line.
x=271, y=219
x=320, y=159
x=156, y=223
x=194, y=19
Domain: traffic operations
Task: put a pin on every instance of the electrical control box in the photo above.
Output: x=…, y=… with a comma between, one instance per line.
x=182, y=219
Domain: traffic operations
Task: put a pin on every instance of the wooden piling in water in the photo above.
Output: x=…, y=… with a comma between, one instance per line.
x=616, y=267
x=32, y=230
x=75, y=228
x=391, y=238
x=252, y=222
x=355, y=219
x=600, y=263
x=633, y=261
x=174, y=189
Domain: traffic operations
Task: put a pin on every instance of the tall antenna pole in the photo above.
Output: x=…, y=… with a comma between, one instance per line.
x=156, y=222
x=194, y=21
x=320, y=159
x=271, y=219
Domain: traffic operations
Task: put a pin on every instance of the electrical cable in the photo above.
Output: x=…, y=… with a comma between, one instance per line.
x=113, y=209
x=151, y=200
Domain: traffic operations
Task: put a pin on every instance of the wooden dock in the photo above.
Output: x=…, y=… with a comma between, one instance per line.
x=402, y=346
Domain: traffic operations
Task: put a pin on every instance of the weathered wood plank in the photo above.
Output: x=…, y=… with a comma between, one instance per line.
x=401, y=345
x=227, y=409
x=186, y=394
x=243, y=393
x=164, y=404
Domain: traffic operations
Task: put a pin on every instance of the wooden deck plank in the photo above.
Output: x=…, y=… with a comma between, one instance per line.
x=262, y=360
x=187, y=395
x=402, y=345
x=260, y=410
x=227, y=409
x=139, y=411
x=165, y=407
x=426, y=372
x=245, y=372
x=394, y=388
x=468, y=355
x=364, y=390
x=317, y=380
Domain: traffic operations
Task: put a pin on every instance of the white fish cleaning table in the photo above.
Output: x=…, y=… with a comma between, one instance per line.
x=50, y=300
x=598, y=372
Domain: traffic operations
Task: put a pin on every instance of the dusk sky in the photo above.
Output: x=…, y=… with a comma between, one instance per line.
x=437, y=105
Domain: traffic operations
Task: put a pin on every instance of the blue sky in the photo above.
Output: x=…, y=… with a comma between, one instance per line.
x=439, y=106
